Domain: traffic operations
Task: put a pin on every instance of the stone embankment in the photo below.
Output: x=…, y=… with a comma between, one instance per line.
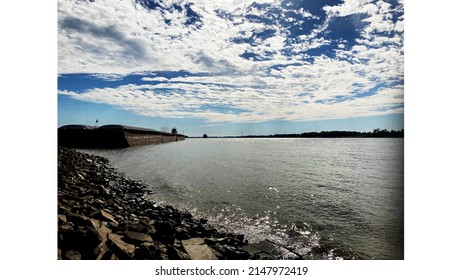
x=105, y=216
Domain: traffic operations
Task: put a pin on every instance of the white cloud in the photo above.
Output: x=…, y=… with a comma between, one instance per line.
x=154, y=79
x=298, y=94
x=116, y=38
x=349, y=7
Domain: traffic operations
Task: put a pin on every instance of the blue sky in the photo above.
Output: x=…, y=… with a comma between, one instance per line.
x=232, y=67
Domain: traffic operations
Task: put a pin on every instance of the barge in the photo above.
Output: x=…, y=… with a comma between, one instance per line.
x=112, y=136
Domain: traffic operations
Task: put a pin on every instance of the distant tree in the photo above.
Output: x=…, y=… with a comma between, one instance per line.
x=174, y=131
x=205, y=136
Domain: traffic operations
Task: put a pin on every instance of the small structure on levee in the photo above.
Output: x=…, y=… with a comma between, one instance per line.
x=112, y=136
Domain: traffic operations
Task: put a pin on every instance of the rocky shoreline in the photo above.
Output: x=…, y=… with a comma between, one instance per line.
x=103, y=215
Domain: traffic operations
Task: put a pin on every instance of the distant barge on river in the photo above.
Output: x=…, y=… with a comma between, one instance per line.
x=112, y=136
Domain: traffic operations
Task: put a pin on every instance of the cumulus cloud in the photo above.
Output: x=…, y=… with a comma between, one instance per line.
x=247, y=60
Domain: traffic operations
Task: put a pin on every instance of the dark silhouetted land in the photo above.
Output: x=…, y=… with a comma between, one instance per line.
x=377, y=133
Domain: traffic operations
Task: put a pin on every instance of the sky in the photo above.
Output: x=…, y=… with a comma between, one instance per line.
x=232, y=67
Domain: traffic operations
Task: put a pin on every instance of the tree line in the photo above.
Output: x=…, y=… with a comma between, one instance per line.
x=377, y=133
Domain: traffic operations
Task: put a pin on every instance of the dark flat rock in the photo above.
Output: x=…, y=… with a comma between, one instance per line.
x=137, y=237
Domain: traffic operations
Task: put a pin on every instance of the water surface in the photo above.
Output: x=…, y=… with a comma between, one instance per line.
x=343, y=193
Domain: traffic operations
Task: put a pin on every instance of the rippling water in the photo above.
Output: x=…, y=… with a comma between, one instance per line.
x=344, y=194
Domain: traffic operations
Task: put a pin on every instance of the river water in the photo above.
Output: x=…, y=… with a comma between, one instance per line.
x=342, y=195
